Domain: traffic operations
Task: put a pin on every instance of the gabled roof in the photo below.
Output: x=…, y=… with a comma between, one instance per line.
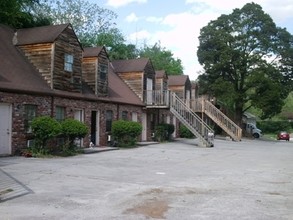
x=133, y=65
x=15, y=70
x=160, y=74
x=36, y=35
x=177, y=80
x=93, y=51
x=119, y=92
x=19, y=75
x=194, y=85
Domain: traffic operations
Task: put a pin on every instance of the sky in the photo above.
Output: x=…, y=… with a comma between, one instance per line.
x=176, y=24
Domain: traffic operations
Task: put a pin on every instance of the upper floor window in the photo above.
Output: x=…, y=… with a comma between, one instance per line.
x=60, y=113
x=30, y=112
x=68, y=62
x=103, y=71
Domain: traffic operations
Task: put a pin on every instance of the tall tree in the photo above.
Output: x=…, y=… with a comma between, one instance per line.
x=87, y=19
x=20, y=14
x=115, y=42
x=248, y=61
x=94, y=26
x=162, y=59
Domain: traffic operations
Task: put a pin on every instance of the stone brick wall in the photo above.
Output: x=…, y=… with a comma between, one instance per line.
x=18, y=101
x=46, y=105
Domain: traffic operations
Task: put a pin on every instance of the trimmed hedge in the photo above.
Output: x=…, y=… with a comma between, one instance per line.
x=72, y=129
x=164, y=131
x=126, y=132
x=184, y=132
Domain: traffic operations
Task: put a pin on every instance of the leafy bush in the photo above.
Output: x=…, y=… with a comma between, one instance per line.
x=72, y=129
x=274, y=126
x=184, y=132
x=44, y=128
x=163, y=131
x=126, y=132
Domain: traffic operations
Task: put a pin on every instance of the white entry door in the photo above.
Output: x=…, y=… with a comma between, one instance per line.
x=5, y=129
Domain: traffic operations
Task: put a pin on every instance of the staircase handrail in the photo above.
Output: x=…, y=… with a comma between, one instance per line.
x=191, y=120
x=227, y=124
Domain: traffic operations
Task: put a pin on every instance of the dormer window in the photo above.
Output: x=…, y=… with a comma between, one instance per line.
x=68, y=62
x=103, y=72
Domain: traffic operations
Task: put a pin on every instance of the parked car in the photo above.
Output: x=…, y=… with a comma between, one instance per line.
x=283, y=135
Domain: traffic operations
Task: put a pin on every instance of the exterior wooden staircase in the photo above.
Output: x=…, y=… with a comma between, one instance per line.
x=205, y=106
x=185, y=111
x=192, y=121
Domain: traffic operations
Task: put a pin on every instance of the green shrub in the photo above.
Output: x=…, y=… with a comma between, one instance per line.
x=274, y=126
x=72, y=129
x=184, y=132
x=126, y=132
x=164, y=131
x=44, y=128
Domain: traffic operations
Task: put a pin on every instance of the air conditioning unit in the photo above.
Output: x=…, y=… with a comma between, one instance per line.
x=30, y=143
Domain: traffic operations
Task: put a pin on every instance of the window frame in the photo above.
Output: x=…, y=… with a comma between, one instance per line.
x=124, y=115
x=109, y=120
x=60, y=116
x=103, y=70
x=68, y=62
x=30, y=113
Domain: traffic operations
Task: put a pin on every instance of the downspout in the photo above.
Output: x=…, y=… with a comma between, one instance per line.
x=118, y=109
x=52, y=106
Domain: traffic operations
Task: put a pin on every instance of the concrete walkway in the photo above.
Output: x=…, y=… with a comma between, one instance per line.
x=251, y=179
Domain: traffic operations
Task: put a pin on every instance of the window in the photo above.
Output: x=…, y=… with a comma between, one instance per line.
x=109, y=118
x=30, y=112
x=103, y=71
x=68, y=62
x=124, y=115
x=134, y=116
x=60, y=113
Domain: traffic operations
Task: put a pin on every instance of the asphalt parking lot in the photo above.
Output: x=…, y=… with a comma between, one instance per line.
x=251, y=179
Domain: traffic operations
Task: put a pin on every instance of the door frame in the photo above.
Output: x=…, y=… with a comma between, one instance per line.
x=144, y=127
x=8, y=127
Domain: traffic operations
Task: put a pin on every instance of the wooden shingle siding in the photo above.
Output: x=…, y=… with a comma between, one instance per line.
x=65, y=80
x=134, y=81
x=179, y=90
x=102, y=84
x=40, y=55
x=149, y=73
x=89, y=71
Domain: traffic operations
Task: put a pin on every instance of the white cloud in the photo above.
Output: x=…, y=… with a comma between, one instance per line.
x=179, y=32
x=154, y=19
x=132, y=17
x=120, y=3
x=142, y=35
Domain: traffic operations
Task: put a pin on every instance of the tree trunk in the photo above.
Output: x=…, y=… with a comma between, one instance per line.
x=238, y=113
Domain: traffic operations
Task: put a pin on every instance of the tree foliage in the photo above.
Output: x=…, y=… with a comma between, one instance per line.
x=87, y=19
x=247, y=61
x=20, y=14
x=162, y=59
